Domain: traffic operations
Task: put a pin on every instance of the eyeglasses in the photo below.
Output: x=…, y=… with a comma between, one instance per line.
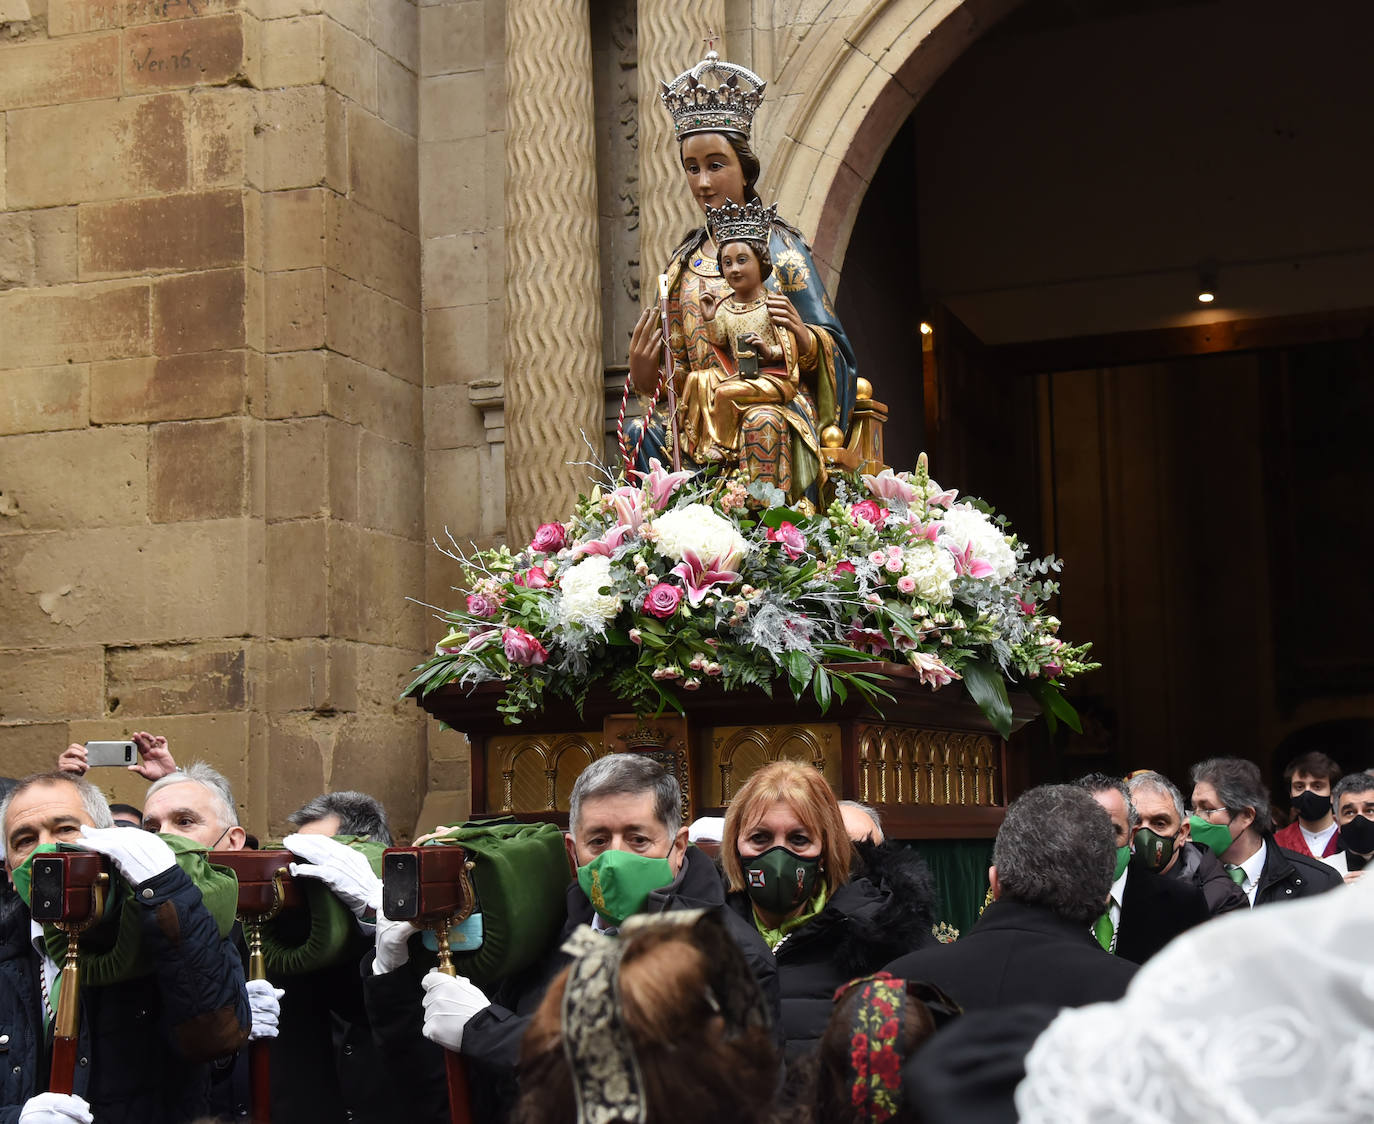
x=1206, y=813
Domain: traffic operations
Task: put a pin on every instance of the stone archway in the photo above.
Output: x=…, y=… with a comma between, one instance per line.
x=842, y=91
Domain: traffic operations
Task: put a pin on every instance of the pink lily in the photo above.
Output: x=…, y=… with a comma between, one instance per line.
x=931, y=670
x=606, y=545
x=629, y=507
x=699, y=576
x=965, y=563
x=660, y=484
x=943, y=499
x=928, y=531
x=865, y=639
x=888, y=486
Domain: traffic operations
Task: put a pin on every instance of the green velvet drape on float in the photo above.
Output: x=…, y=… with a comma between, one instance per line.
x=960, y=867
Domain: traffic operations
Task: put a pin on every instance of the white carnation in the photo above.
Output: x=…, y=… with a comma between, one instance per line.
x=962, y=524
x=697, y=528
x=582, y=601
x=932, y=569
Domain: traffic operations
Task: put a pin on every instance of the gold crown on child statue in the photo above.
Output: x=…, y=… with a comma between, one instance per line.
x=731, y=223
x=713, y=97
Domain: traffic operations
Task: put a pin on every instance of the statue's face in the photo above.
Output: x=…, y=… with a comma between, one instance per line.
x=713, y=170
x=740, y=267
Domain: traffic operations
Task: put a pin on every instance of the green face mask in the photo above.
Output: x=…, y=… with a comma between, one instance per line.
x=22, y=875
x=1123, y=856
x=617, y=883
x=1216, y=837
x=1154, y=850
x=779, y=880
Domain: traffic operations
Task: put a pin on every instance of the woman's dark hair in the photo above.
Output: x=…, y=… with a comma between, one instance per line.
x=752, y=168
x=760, y=251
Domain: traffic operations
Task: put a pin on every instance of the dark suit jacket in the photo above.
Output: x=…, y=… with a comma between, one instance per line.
x=1020, y=953
x=1288, y=875
x=1154, y=910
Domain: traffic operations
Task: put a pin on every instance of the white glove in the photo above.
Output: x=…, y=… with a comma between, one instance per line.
x=139, y=855
x=265, y=1002
x=344, y=870
x=55, y=1108
x=450, y=1001
x=393, y=944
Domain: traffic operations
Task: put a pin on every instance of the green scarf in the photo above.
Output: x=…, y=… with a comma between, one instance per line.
x=774, y=937
x=112, y=950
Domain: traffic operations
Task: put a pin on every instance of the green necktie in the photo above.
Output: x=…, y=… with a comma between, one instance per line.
x=1104, y=931
x=1237, y=874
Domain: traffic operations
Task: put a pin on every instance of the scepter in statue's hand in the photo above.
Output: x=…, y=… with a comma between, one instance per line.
x=668, y=371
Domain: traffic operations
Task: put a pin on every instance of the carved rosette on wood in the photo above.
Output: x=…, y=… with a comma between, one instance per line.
x=670, y=36
x=553, y=288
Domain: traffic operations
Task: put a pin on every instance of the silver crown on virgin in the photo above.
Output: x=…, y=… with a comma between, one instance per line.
x=733, y=223
x=713, y=97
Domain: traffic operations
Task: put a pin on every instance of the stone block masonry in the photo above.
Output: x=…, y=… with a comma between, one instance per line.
x=212, y=389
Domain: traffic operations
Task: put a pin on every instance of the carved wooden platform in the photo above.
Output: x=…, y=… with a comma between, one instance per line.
x=930, y=762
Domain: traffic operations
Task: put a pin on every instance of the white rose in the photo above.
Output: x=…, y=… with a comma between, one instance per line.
x=582, y=601
x=697, y=528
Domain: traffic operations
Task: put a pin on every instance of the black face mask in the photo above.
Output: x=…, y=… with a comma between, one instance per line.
x=1310, y=805
x=1358, y=835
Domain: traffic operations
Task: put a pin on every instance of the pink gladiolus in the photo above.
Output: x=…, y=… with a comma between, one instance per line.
x=699, y=576
x=793, y=541
x=550, y=537
x=1052, y=670
x=662, y=600
x=888, y=486
x=660, y=484
x=931, y=670
x=480, y=605
x=522, y=648
x=965, y=563
x=869, y=511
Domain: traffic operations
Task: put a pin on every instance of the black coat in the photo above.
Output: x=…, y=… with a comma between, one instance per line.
x=491, y=1039
x=1196, y=864
x=1154, y=910
x=1018, y=953
x=144, y=1044
x=1288, y=875
x=884, y=910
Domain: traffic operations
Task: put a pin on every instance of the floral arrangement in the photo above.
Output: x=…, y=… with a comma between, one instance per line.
x=665, y=581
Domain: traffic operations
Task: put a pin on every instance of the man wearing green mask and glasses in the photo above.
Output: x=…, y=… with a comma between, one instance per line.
x=1145, y=911
x=628, y=843
x=1231, y=816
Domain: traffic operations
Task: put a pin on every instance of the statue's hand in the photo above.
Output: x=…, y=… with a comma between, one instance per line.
x=709, y=303
x=784, y=314
x=646, y=350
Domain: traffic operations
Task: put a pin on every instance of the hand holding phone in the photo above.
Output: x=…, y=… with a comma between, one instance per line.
x=99, y=754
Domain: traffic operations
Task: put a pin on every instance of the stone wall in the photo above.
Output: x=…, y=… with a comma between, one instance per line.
x=211, y=429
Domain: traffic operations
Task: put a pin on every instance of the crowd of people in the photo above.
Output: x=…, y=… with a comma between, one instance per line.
x=779, y=965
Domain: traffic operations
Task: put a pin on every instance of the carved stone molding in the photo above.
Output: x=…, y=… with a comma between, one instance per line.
x=670, y=40
x=553, y=289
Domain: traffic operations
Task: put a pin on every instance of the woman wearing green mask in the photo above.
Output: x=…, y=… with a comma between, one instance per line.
x=793, y=872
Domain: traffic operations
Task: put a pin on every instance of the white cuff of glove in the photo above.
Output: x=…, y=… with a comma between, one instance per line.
x=55, y=1108
x=264, y=1001
x=139, y=855
x=450, y=1002
x=393, y=941
x=344, y=870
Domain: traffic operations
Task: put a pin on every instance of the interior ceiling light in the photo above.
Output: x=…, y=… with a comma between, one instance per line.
x=926, y=329
x=1207, y=283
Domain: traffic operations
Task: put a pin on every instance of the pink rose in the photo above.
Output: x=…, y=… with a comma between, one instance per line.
x=869, y=511
x=845, y=567
x=906, y=583
x=522, y=648
x=793, y=541
x=480, y=605
x=533, y=578
x=549, y=538
x=662, y=600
